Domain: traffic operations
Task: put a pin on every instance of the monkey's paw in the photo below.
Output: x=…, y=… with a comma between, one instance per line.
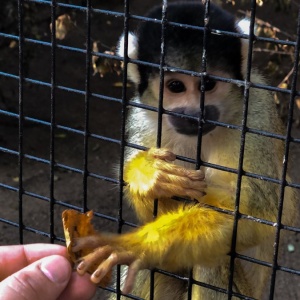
x=152, y=174
x=107, y=256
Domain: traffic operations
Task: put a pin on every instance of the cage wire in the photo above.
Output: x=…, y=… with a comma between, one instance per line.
x=86, y=133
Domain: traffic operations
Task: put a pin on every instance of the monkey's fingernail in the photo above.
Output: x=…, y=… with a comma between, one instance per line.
x=97, y=273
x=200, y=174
x=170, y=156
x=81, y=266
x=97, y=276
x=162, y=154
x=196, y=174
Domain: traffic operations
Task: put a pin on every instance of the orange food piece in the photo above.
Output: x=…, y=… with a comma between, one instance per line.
x=77, y=225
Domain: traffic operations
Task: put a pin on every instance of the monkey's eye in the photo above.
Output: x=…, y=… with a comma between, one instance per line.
x=209, y=84
x=176, y=86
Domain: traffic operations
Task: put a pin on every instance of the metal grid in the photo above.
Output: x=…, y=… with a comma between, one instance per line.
x=87, y=134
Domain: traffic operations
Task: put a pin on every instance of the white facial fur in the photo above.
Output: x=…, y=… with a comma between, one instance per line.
x=243, y=26
x=132, y=54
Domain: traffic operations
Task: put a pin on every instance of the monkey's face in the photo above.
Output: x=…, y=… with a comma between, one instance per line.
x=182, y=96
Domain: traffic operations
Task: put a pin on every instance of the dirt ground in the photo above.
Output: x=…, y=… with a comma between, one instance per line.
x=104, y=120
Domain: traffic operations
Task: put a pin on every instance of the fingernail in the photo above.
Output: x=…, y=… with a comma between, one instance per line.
x=56, y=268
x=81, y=266
x=97, y=273
x=97, y=276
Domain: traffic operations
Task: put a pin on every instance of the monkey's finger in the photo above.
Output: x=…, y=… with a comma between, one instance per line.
x=168, y=190
x=161, y=153
x=179, y=171
x=115, y=258
x=133, y=269
x=91, y=241
x=194, y=194
x=92, y=258
x=183, y=182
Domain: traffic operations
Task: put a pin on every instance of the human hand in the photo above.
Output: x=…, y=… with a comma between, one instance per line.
x=40, y=271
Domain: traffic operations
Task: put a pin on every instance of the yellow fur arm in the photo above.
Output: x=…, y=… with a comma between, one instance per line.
x=182, y=236
x=176, y=241
x=152, y=175
x=194, y=235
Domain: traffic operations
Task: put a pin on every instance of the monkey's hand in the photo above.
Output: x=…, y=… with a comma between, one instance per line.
x=151, y=175
x=109, y=251
x=174, y=242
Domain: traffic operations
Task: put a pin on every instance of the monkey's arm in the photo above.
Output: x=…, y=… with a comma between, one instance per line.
x=176, y=240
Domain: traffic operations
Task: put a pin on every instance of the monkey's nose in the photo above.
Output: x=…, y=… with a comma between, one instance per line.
x=188, y=123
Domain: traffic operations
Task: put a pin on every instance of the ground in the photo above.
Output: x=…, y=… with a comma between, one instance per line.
x=104, y=120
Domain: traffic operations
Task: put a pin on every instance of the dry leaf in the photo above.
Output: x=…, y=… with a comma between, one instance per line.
x=283, y=85
x=276, y=99
x=13, y=44
x=120, y=84
x=16, y=179
x=78, y=225
x=103, y=65
x=60, y=135
x=64, y=25
x=297, y=101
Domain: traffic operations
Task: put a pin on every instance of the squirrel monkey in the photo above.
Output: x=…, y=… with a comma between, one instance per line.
x=193, y=234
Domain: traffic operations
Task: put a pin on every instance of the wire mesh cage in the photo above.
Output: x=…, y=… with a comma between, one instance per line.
x=64, y=101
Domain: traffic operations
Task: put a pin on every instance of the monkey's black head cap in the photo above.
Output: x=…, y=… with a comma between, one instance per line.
x=184, y=46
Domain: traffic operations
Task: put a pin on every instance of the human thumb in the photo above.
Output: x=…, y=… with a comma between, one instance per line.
x=44, y=279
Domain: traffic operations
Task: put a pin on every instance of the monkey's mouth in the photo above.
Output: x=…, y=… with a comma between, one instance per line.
x=187, y=126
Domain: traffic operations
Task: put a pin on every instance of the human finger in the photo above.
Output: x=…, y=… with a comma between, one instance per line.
x=79, y=288
x=44, y=279
x=16, y=257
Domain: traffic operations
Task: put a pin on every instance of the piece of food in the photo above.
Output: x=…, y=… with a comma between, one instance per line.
x=77, y=225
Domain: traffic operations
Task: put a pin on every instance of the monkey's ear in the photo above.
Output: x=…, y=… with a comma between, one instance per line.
x=132, y=53
x=243, y=26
